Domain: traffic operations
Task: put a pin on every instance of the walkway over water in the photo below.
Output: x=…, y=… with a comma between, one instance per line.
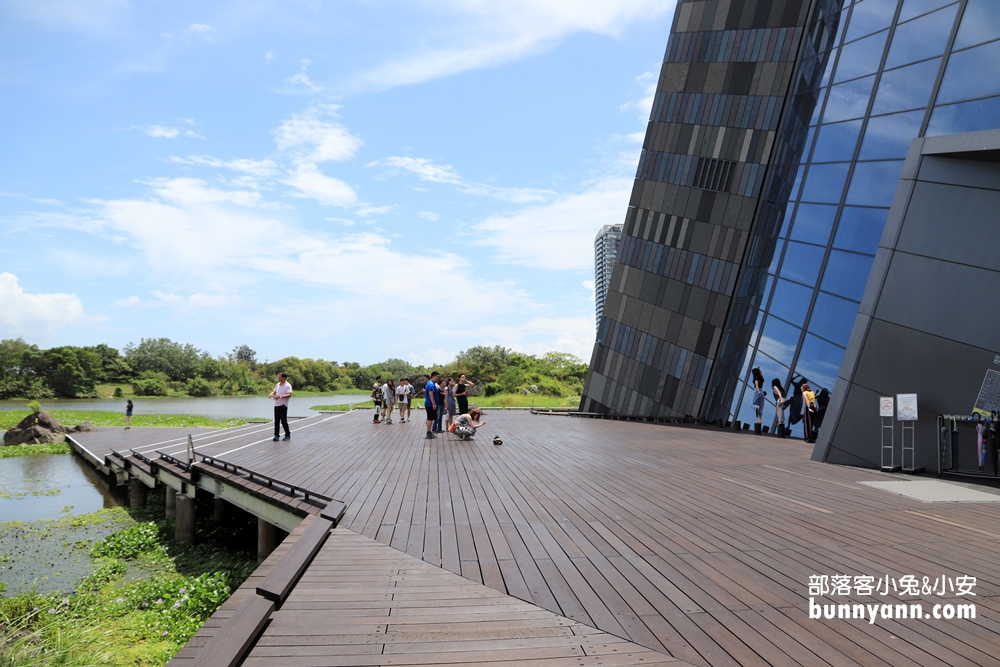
x=697, y=544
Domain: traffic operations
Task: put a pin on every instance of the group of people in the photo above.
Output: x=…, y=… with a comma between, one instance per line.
x=446, y=404
x=802, y=395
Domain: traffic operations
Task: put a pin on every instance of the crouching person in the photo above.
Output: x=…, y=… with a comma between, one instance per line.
x=466, y=424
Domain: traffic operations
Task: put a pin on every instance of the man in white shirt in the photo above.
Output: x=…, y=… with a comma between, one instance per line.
x=281, y=393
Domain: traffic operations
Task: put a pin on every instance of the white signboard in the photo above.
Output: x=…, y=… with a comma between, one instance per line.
x=886, y=406
x=906, y=407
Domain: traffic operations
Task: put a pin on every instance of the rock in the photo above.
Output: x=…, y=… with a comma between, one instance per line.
x=36, y=429
x=83, y=426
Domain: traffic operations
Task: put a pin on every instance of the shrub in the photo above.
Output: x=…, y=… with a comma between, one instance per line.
x=150, y=387
x=35, y=407
x=119, y=393
x=199, y=387
x=130, y=543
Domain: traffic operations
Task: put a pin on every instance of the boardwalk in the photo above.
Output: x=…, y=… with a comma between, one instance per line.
x=698, y=544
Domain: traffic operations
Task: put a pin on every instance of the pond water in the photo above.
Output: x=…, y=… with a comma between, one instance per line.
x=213, y=407
x=43, y=485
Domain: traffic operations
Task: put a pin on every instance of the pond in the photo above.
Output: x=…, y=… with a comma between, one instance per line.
x=41, y=486
x=213, y=407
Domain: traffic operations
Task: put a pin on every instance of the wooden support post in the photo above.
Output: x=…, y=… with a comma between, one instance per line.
x=220, y=510
x=184, y=526
x=171, y=503
x=136, y=493
x=267, y=539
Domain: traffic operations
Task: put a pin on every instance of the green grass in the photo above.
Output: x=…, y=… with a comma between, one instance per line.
x=497, y=401
x=9, y=418
x=114, y=618
x=28, y=450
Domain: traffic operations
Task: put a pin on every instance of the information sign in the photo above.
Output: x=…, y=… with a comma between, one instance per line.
x=906, y=407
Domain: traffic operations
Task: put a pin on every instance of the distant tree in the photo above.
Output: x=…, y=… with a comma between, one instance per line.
x=484, y=364
x=243, y=354
x=176, y=360
x=71, y=372
x=393, y=368
x=114, y=367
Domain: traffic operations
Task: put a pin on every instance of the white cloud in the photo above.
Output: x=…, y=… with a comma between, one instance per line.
x=559, y=235
x=365, y=211
x=313, y=184
x=166, y=132
x=199, y=28
x=268, y=56
x=302, y=78
x=428, y=215
x=590, y=286
x=311, y=139
x=88, y=15
x=475, y=33
x=257, y=168
x=192, y=191
x=131, y=302
x=644, y=104
x=427, y=170
x=34, y=316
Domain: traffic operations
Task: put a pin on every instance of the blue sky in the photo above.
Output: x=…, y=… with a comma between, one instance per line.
x=347, y=180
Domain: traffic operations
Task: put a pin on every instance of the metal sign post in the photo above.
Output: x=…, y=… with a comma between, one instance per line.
x=886, y=411
x=906, y=412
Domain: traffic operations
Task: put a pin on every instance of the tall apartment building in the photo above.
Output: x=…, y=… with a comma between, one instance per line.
x=783, y=136
x=605, y=250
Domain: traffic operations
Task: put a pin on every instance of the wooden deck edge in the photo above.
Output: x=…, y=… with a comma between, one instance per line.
x=282, y=578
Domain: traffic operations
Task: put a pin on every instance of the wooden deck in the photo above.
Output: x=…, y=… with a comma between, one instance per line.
x=698, y=544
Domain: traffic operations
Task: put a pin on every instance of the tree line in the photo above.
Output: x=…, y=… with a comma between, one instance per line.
x=160, y=366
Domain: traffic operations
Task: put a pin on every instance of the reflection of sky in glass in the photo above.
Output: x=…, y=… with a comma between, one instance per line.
x=848, y=100
x=777, y=256
x=861, y=57
x=813, y=223
x=847, y=274
x=791, y=301
x=833, y=318
x=860, y=229
x=771, y=369
x=921, y=38
x=980, y=23
x=836, y=142
x=779, y=340
x=802, y=262
x=965, y=117
x=874, y=183
x=964, y=79
x=869, y=16
x=906, y=88
x=913, y=8
x=890, y=136
x=825, y=182
x=819, y=362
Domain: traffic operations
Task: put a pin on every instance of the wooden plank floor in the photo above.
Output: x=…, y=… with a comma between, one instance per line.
x=364, y=603
x=696, y=543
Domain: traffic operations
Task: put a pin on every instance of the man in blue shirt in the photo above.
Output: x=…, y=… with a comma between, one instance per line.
x=431, y=402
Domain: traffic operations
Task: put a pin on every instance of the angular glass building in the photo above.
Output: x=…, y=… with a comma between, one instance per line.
x=605, y=251
x=775, y=148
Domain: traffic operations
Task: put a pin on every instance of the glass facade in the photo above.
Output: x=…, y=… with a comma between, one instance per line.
x=605, y=251
x=893, y=70
x=774, y=148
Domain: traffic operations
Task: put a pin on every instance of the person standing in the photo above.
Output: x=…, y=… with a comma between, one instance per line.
x=450, y=401
x=779, y=405
x=431, y=402
x=441, y=407
x=377, y=398
x=128, y=414
x=808, y=410
x=462, y=394
x=389, y=398
x=403, y=394
x=281, y=393
x=758, y=398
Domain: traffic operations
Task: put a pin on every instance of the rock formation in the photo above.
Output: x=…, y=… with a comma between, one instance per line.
x=38, y=428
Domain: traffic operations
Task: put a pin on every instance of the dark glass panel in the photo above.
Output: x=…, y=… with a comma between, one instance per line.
x=921, y=38
x=813, y=223
x=890, y=136
x=966, y=117
x=836, y=142
x=860, y=229
x=790, y=301
x=874, y=183
x=964, y=77
x=980, y=23
x=870, y=16
x=846, y=274
x=802, y=262
x=828, y=70
x=833, y=318
x=906, y=88
x=913, y=8
x=848, y=100
x=779, y=340
x=819, y=362
x=861, y=57
x=825, y=182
